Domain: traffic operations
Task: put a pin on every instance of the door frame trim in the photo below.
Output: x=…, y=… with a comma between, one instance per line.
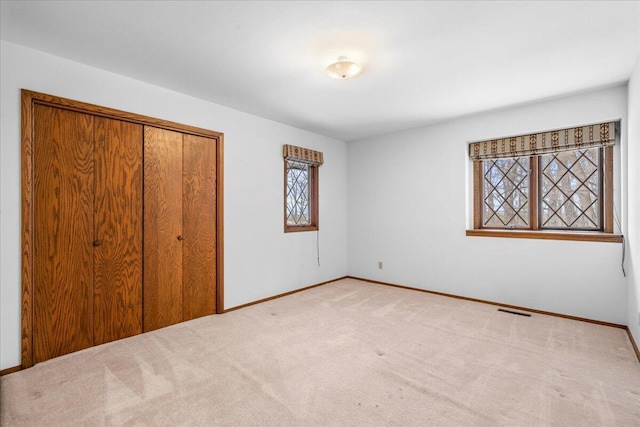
x=29, y=100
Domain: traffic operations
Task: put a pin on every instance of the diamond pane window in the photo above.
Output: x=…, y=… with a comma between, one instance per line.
x=301, y=188
x=506, y=193
x=555, y=184
x=298, y=193
x=570, y=190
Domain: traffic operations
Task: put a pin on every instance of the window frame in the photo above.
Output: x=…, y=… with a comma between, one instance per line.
x=534, y=231
x=313, y=201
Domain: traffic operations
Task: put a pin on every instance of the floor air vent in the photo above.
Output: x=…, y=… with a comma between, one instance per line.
x=514, y=312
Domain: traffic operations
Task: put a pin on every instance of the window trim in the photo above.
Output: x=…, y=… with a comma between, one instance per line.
x=534, y=232
x=582, y=236
x=313, y=201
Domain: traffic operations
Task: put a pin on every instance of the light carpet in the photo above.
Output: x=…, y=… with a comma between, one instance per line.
x=346, y=353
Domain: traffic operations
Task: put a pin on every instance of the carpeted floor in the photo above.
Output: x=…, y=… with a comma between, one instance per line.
x=346, y=353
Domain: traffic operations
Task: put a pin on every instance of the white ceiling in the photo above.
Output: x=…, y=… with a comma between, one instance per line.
x=423, y=61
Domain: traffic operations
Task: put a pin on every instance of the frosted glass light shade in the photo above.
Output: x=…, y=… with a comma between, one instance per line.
x=343, y=68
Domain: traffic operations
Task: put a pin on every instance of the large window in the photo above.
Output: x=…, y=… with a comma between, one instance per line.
x=301, y=188
x=560, y=187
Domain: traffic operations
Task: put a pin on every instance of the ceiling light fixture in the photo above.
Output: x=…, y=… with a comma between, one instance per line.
x=343, y=68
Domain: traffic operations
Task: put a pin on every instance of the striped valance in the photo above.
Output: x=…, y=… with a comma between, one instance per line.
x=304, y=155
x=598, y=135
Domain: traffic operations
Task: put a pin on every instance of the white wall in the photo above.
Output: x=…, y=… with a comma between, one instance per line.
x=260, y=260
x=410, y=202
x=633, y=235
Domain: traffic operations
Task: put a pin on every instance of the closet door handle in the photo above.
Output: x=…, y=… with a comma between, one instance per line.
x=180, y=238
x=97, y=243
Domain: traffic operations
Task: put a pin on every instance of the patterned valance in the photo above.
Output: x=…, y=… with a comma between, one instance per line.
x=304, y=155
x=598, y=135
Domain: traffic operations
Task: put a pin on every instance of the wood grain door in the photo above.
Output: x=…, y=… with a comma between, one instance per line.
x=117, y=298
x=162, y=228
x=63, y=199
x=199, y=226
x=103, y=257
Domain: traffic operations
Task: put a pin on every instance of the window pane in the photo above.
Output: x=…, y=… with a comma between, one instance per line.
x=298, y=193
x=570, y=190
x=506, y=193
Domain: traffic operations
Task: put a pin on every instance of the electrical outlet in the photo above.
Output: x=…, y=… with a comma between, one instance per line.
x=379, y=265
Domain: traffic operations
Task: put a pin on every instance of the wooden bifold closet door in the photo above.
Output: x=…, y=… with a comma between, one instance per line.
x=198, y=226
x=180, y=227
x=121, y=225
x=117, y=297
x=87, y=251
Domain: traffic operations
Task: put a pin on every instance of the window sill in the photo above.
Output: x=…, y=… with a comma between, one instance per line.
x=298, y=228
x=581, y=236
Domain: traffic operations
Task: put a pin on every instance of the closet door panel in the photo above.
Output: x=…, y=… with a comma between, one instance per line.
x=117, y=297
x=162, y=228
x=199, y=226
x=63, y=178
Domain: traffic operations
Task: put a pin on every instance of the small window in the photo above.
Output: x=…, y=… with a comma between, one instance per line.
x=560, y=184
x=301, y=189
x=300, y=194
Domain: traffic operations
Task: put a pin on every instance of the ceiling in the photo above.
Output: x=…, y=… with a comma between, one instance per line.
x=423, y=62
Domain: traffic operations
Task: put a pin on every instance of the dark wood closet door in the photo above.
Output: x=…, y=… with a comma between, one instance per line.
x=162, y=228
x=117, y=298
x=199, y=226
x=63, y=182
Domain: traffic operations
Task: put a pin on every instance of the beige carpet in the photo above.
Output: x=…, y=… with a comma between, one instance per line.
x=346, y=353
